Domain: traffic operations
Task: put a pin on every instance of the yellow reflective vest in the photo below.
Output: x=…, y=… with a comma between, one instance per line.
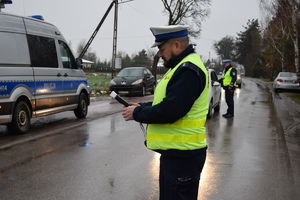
x=227, y=78
x=188, y=132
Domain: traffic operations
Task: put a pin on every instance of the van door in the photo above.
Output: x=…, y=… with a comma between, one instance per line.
x=73, y=77
x=47, y=75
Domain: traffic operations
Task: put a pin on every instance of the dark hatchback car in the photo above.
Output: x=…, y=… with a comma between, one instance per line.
x=133, y=81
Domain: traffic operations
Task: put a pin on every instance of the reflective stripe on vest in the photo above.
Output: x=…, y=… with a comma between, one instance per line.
x=227, y=78
x=187, y=132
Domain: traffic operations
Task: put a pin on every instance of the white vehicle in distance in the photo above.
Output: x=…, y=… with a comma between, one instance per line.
x=286, y=81
x=239, y=80
x=214, y=93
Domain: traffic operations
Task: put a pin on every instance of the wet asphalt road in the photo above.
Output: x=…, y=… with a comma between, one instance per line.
x=249, y=156
x=256, y=155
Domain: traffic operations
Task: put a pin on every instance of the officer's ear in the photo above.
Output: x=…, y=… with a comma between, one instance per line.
x=177, y=44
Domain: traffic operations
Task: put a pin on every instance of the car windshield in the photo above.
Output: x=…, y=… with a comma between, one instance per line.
x=130, y=72
x=288, y=75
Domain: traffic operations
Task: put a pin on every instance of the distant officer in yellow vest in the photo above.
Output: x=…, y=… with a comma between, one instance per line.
x=177, y=115
x=229, y=85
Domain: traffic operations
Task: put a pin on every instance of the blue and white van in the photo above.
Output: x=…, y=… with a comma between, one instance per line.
x=38, y=73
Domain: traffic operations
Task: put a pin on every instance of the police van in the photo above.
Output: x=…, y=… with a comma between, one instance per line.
x=39, y=75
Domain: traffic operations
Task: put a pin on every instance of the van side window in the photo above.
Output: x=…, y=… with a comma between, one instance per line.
x=67, y=57
x=14, y=49
x=42, y=51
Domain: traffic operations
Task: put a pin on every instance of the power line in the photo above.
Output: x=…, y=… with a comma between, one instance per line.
x=145, y=11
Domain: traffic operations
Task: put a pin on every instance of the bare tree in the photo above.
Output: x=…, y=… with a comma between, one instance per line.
x=225, y=47
x=281, y=21
x=89, y=55
x=295, y=5
x=189, y=12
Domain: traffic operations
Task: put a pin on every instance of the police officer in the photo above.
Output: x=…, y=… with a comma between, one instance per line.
x=177, y=115
x=229, y=83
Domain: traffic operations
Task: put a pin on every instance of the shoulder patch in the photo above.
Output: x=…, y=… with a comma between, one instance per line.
x=191, y=66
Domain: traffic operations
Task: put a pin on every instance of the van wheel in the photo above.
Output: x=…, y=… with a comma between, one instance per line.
x=20, y=119
x=82, y=108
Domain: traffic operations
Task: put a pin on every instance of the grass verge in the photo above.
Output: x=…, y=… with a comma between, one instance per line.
x=99, y=85
x=294, y=96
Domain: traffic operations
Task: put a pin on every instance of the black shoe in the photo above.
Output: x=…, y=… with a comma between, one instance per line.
x=228, y=116
x=224, y=114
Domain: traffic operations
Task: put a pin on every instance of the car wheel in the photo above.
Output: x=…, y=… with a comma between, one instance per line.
x=82, y=108
x=20, y=119
x=153, y=89
x=217, y=108
x=143, y=91
x=210, y=110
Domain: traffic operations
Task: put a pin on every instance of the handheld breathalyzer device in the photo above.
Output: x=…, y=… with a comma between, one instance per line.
x=114, y=95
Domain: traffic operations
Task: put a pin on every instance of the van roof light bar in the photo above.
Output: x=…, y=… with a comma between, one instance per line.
x=40, y=17
x=3, y=2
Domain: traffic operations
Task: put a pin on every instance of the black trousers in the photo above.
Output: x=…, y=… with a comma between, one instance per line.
x=229, y=95
x=179, y=176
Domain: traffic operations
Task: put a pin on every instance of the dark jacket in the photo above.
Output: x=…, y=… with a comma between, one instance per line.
x=183, y=89
x=233, y=74
x=185, y=86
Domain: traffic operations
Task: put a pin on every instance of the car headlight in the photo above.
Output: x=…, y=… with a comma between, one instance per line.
x=112, y=82
x=137, y=82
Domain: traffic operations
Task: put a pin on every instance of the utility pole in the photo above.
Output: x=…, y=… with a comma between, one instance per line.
x=95, y=32
x=115, y=30
x=114, y=53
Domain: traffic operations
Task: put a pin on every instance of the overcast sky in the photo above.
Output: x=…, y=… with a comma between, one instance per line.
x=78, y=19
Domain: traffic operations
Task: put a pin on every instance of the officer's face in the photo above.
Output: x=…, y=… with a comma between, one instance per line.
x=226, y=64
x=166, y=52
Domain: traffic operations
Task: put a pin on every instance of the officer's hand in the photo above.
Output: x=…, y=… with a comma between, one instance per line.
x=134, y=104
x=127, y=112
